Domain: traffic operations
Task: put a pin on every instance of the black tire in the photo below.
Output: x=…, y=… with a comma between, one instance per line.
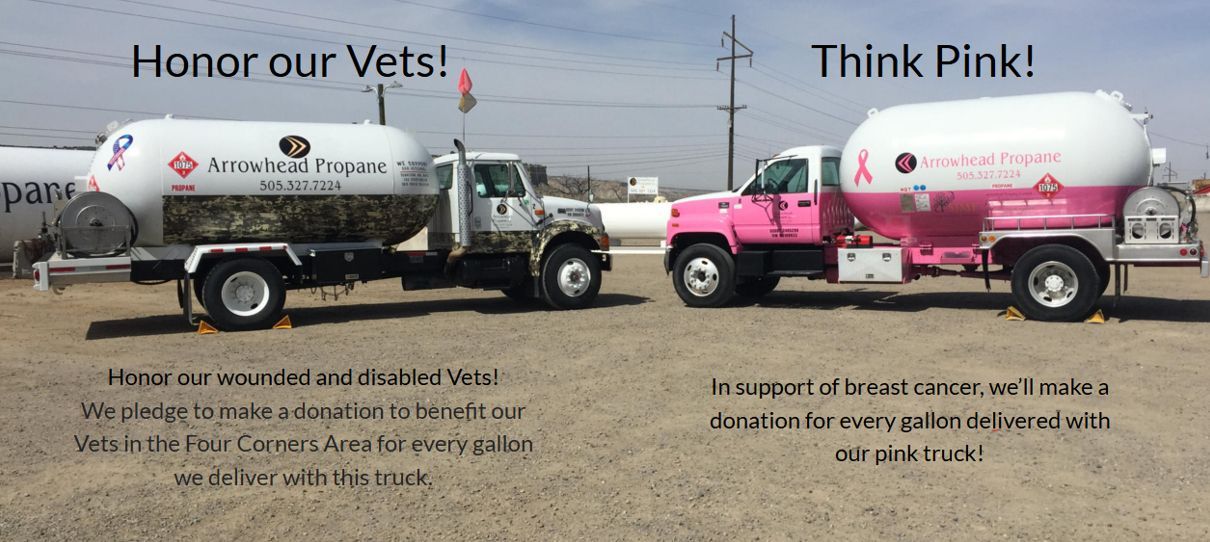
x=266, y=298
x=758, y=287
x=570, y=291
x=1076, y=284
x=198, y=284
x=1104, y=273
x=712, y=272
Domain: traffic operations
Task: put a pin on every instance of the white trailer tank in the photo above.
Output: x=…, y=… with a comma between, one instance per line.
x=644, y=220
x=201, y=181
x=934, y=171
x=30, y=180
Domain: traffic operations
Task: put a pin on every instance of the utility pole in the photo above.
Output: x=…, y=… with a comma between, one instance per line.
x=382, y=104
x=1169, y=174
x=731, y=108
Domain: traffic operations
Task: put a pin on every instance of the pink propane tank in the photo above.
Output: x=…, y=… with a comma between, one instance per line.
x=933, y=172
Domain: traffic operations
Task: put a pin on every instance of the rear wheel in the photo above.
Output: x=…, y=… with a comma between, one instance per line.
x=244, y=294
x=571, y=277
x=1055, y=283
x=704, y=276
x=757, y=287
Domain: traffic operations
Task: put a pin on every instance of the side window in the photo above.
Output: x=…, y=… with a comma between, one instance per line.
x=445, y=176
x=782, y=177
x=831, y=172
x=493, y=180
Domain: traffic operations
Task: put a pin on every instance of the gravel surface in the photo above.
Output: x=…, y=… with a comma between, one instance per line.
x=618, y=407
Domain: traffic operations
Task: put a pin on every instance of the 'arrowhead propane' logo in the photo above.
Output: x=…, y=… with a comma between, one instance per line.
x=294, y=146
x=182, y=164
x=906, y=162
x=1048, y=186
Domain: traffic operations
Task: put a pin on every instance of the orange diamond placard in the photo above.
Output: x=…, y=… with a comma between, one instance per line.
x=1048, y=186
x=182, y=164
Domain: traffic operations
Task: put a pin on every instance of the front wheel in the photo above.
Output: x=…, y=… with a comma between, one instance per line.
x=1055, y=283
x=704, y=276
x=244, y=294
x=571, y=277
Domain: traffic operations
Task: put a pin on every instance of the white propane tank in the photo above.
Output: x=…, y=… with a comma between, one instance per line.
x=201, y=181
x=934, y=171
x=30, y=179
x=643, y=220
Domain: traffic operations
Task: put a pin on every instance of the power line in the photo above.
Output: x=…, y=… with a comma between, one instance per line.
x=807, y=91
x=799, y=104
x=55, y=137
x=635, y=162
x=103, y=109
x=522, y=100
x=790, y=76
x=329, y=31
x=396, y=29
x=434, y=132
x=560, y=136
x=546, y=25
x=1177, y=139
x=89, y=132
x=614, y=155
x=783, y=123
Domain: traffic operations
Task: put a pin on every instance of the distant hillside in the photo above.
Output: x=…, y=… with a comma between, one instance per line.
x=604, y=191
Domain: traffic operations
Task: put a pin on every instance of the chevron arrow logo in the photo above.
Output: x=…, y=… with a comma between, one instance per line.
x=294, y=146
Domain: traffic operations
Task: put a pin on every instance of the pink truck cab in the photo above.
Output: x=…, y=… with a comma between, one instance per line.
x=776, y=224
x=1055, y=190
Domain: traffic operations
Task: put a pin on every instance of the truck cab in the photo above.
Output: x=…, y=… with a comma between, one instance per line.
x=775, y=224
x=508, y=218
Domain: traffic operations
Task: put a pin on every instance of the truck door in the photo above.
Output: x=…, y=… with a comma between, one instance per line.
x=500, y=197
x=782, y=211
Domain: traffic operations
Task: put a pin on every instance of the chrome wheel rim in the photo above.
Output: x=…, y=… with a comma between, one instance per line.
x=1053, y=284
x=701, y=277
x=574, y=277
x=245, y=293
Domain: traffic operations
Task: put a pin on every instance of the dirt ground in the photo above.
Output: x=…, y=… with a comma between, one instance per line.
x=619, y=407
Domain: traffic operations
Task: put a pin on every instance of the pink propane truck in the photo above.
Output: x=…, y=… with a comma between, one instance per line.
x=1048, y=191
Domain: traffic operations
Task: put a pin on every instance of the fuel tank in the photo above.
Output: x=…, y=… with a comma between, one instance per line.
x=201, y=181
x=935, y=171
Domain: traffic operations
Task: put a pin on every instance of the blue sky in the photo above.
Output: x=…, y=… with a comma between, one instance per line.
x=630, y=61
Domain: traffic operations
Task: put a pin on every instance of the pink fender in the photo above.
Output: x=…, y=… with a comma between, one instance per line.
x=710, y=215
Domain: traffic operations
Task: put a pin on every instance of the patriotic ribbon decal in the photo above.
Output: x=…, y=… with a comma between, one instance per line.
x=119, y=148
x=862, y=171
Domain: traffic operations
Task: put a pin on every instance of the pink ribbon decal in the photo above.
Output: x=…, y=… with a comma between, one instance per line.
x=119, y=148
x=862, y=170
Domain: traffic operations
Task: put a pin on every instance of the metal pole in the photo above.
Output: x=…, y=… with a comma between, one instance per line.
x=382, y=105
x=731, y=108
x=731, y=117
x=590, y=197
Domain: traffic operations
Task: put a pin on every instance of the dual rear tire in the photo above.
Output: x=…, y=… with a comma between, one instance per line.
x=1057, y=283
x=244, y=294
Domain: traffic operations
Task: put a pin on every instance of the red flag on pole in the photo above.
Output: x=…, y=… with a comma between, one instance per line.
x=464, y=82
